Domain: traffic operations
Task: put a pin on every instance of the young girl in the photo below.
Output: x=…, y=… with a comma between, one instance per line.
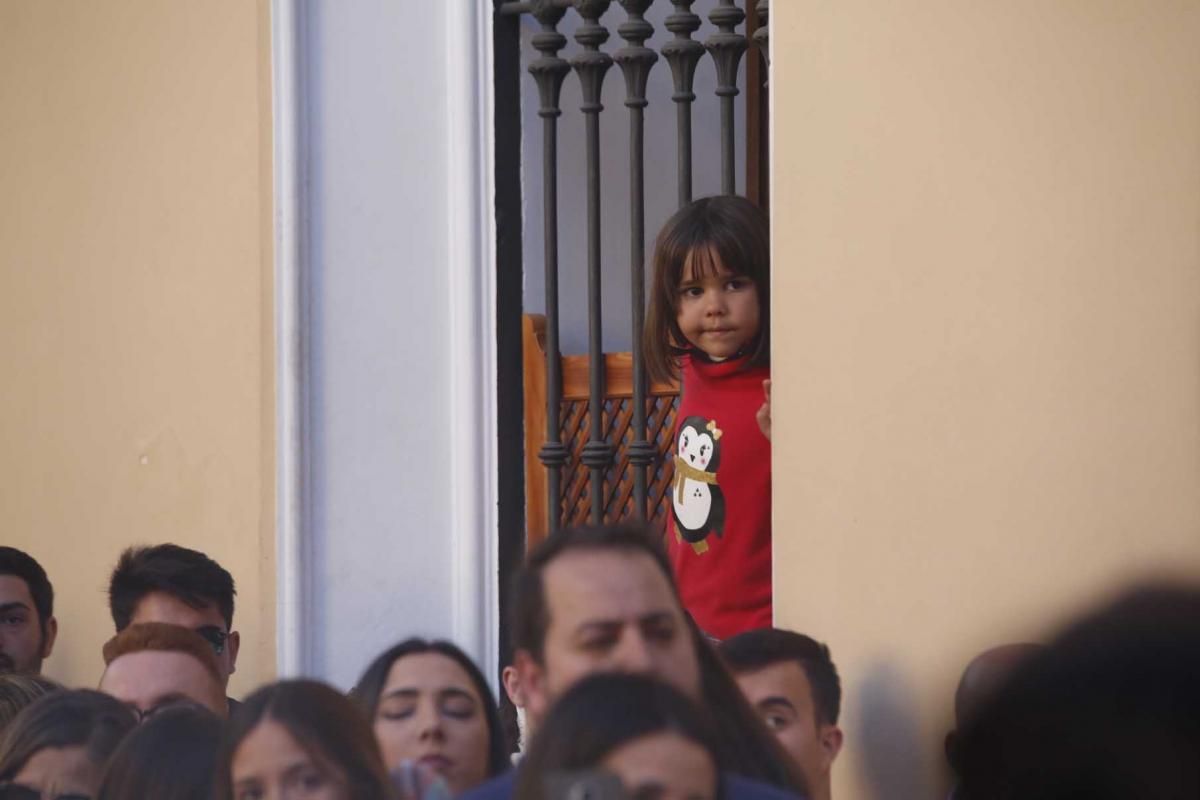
x=708, y=324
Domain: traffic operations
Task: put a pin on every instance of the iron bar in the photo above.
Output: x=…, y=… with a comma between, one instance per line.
x=636, y=61
x=591, y=65
x=549, y=71
x=683, y=54
x=727, y=47
x=762, y=36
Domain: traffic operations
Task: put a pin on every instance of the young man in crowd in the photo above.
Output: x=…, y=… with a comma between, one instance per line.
x=790, y=680
x=594, y=600
x=172, y=584
x=152, y=665
x=27, y=624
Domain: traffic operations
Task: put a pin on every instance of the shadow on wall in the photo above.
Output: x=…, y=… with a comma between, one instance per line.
x=887, y=736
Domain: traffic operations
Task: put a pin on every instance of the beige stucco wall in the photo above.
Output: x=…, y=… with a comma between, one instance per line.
x=135, y=300
x=987, y=346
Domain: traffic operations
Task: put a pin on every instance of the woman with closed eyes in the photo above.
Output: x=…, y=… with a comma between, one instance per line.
x=300, y=740
x=432, y=712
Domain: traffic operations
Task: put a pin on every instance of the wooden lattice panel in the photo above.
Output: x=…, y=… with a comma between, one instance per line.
x=618, y=482
x=575, y=429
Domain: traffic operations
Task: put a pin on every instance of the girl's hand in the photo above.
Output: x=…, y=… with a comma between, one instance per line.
x=764, y=412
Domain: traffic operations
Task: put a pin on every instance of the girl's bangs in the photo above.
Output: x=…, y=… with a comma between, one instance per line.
x=703, y=261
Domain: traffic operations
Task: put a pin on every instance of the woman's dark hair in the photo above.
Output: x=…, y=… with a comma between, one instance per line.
x=728, y=230
x=170, y=757
x=79, y=718
x=17, y=691
x=367, y=693
x=600, y=714
x=746, y=746
x=324, y=722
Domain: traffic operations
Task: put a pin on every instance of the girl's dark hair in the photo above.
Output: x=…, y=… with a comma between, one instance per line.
x=601, y=713
x=324, y=722
x=727, y=229
x=368, y=690
x=170, y=757
x=79, y=718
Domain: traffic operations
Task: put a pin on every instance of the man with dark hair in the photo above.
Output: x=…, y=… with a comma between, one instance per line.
x=172, y=584
x=791, y=681
x=152, y=665
x=602, y=599
x=27, y=624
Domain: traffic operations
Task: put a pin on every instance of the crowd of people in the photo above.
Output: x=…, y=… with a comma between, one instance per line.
x=622, y=695
x=644, y=665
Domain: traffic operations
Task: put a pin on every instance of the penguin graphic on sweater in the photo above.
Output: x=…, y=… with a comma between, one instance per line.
x=697, y=502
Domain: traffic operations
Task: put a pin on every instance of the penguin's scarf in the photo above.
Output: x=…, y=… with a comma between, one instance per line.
x=684, y=470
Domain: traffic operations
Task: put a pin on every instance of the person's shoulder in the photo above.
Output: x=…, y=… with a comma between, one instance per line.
x=498, y=788
x=739, y=788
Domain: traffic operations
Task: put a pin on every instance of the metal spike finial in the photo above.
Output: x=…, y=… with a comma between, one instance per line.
x=635, y=59
x=683, y=53
x=727, y=47
x=549, y=70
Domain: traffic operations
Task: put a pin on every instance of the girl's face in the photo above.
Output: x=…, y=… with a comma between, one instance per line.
x=664, y=766
x=60, y=771
x=269, y=764
x=430, y=713
x=718, y=312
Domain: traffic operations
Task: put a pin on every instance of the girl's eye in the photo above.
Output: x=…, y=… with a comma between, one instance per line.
x=737, y=284
x=252, y=793
x=692, y=291
x=395, y=713
x=459, y=708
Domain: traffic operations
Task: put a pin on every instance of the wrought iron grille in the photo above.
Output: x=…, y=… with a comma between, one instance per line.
x=600, y=450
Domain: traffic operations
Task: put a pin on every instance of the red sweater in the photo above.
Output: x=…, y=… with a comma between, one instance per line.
x=719, y=534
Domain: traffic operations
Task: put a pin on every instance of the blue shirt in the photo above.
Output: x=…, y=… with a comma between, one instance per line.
x=736, y=788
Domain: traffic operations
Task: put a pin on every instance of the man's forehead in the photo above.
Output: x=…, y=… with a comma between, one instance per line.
x=606, y=584
x=782, y=679
x=14, y=590
x=160, y=606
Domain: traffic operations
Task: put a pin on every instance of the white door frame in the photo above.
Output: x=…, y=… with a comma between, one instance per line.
x=470, y=244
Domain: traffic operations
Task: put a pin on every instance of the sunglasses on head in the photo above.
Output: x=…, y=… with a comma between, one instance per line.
x=15, y=791
x=214, y=636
